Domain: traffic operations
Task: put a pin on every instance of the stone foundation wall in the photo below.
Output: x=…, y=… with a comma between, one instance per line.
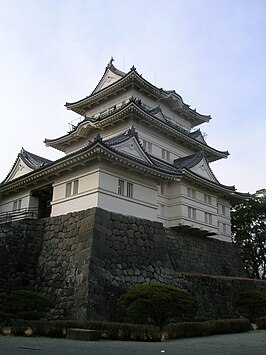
x=20, y=246
x=86, y=259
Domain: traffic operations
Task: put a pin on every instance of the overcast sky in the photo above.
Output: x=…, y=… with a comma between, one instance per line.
x=211, y=52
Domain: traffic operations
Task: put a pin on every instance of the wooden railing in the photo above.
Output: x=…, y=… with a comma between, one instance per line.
x=16, y=215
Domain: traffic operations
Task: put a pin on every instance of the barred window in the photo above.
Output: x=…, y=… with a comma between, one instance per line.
x=208, y=199
x=125, y=188
x=129, y=189
x=191, y=192
x=208, y=218
x=121, y=187
x=165, y=154
x=72, y=188
x=17, y=205
x=192, y=212
x=147, y=146
x=75, y=187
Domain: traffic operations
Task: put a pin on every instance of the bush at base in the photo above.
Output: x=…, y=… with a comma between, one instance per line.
x=261, y=322
x=124, y=331
x=197, y=329
x=251, y=304
x=158, y=303
x=26, y=304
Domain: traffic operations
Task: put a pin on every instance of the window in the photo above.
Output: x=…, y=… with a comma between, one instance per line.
x=208, y=218
x=165, y=154
x=72, y=188
x=17, y=205
x=224, y=228
x=121, y=187
x=129, y=189
x=223, y=210
x=163, y=189
x=75, y=187
x=191, y=212
x=125, y=188
x=191, y=192
x=163, y=210
x=147, y=146
x=207, y=199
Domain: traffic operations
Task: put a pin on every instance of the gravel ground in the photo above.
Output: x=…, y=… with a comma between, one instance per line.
x=251, y=343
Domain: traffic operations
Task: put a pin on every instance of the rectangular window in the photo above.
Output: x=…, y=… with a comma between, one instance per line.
x=121, y=187
x=72, y=188
x=208, y=218
x=147, y=146
x=224, y=228
x=223, y=210
x=17, y=205
x=191, y=192
x=125, y=188
x=192, y=213
x=165, y=154
x=162, y=210
x=68, y=189
x=75, y=187
x=129, y=189
x=207, y=199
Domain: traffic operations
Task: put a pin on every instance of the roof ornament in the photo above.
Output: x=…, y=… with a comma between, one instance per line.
x=131, y=131
x=110, y=63
x=98, y=138
x=133, y=68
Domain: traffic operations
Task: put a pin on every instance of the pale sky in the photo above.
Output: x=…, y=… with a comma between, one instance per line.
x=211, y=52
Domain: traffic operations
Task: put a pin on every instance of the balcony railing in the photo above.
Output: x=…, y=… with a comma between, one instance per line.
x=16, y=215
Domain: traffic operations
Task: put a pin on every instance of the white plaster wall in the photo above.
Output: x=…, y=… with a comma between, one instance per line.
x=143, y=204
x=6, y=204
x=87, y=191
x=115, y=101
x=160, y=142
x=75, y=203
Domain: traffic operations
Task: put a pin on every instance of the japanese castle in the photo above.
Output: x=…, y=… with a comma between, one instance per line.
x=135, y=152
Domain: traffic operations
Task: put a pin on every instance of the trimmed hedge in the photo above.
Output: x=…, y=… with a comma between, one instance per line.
x=261, y=322
x=108, y=330
x=124, y=331
x=197, y=329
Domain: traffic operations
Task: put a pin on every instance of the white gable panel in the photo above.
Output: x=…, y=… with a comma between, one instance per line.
x=203, y=169
x=108, y=79
x=18, y=170
x=132, y=147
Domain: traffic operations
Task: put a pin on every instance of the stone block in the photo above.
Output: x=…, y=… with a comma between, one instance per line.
x=82, y=334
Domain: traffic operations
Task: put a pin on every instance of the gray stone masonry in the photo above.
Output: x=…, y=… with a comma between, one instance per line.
x=86, y=259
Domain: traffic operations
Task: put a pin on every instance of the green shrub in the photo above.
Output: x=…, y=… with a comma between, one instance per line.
x=196, y=329
x=27, y=304
x=261, y=322
x=124, y=331
x=251, y=304
x=158, y=303
x=108, y=330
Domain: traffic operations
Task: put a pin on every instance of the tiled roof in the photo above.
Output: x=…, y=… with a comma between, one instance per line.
x=154, y=165
x=189, y=161
x=32, y=160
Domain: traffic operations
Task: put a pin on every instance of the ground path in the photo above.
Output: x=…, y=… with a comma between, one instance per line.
x=251, y=343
